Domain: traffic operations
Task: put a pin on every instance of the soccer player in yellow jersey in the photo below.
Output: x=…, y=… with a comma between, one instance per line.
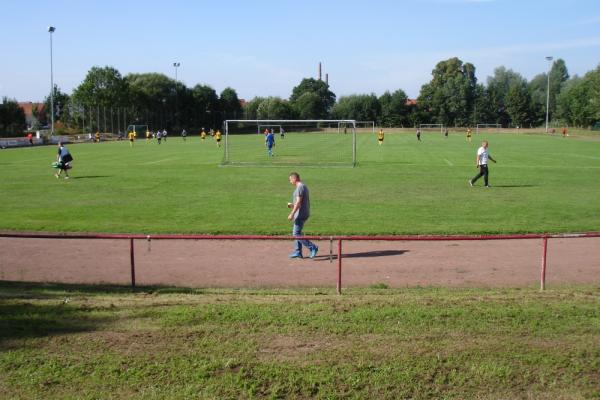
x=203, y=135
x=218, y=138
x=131, y=135
x=148, y=134
x=380, y=137
x=97, y=137
x=468, y=134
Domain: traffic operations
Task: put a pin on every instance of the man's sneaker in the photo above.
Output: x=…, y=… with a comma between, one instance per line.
x=488, y=186
x=295, y=254
x=313, y=252
x=470, y=182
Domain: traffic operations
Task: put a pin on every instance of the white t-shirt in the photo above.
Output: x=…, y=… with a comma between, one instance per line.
x=483, y=156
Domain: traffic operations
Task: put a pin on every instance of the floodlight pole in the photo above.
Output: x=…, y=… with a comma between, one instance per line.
x=176, y=65
x=51, y=30
x=549, y=58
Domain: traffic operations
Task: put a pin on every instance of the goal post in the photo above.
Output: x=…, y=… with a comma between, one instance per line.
x=432, y=128
x=488, y=127
x=301, y=142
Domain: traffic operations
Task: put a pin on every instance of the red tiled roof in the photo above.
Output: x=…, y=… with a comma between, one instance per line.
x=28, y=107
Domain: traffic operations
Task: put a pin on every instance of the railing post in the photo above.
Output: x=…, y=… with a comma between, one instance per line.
x=543, y=273
x=132, y=258
x=339, y=277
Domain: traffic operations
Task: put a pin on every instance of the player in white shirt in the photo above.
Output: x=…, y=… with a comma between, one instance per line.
x=481, y=162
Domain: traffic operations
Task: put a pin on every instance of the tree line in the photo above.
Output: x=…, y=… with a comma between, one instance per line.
x=452, y=97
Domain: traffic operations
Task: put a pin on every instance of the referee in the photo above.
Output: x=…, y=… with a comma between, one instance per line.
x=482, y=160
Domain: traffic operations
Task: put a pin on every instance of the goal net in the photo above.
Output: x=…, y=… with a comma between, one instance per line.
x=264, y=128
x=488, y=128
x=361, y=126
x=432, y=128
x=296, y=142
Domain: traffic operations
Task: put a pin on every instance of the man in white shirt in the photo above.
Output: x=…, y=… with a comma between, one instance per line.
x=481, y=162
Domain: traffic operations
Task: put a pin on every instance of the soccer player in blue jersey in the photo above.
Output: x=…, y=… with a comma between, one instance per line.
x=270, y=143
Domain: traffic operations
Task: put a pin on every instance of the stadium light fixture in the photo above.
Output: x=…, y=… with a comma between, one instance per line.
x=549, y=59
x=176, y=65
x=51, y=30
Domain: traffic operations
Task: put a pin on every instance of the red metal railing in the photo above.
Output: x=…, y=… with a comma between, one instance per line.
x=131, y=237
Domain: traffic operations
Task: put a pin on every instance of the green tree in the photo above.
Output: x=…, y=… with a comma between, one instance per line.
x=208, y=110
x=559, y=75
x=251, y=108
x=230, y=104
x=361, y=107
x=579, y=102
x=152, y=98
x=498, y=87
x=321, y=90
x=394, y=109
x=61, y=106
x=12, y=118
x=275, y=108
x=450, y=95
x=518, y=104
x=103, y=87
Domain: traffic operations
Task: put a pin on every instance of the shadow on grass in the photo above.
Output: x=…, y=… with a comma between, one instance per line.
x=91, y=176
x=30, y=310
x=513, y=186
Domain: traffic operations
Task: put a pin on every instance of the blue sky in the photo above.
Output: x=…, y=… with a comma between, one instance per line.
x=264, y=48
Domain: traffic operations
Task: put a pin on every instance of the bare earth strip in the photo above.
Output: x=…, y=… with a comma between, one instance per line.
x=254, y=264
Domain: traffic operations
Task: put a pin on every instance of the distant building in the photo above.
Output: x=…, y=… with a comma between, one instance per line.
x=411, y=102
x=31, y=110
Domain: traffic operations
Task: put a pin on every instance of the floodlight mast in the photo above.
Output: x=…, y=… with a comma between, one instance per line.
x=549, y=59
x=51, y=30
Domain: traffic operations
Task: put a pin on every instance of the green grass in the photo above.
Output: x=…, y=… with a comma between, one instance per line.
x=541, y=184
x=62, y=341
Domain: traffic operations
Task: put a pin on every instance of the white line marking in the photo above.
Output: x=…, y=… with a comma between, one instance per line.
x=156, y=162
x=448, y=162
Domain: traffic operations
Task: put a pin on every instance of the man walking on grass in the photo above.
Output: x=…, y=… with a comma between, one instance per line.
x=481, y=162
x=300, y=206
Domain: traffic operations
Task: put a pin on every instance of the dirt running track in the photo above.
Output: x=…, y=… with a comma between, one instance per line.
x=264, y=263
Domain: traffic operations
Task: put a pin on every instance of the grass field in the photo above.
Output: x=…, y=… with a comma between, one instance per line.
x=96, y=342
x=540, y=184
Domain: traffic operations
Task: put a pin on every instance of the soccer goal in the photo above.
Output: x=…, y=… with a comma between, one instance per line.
x=260, y=128
x=299, y=142
x=432, y=128
x=361, y=127
x=140, y=130
x=487, y=128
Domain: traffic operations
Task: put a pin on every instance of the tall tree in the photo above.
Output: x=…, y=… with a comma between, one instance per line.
x=518, y=104
x=12, y=118
x=275, y=108
x=450, y=94
x=251, y=108
x=102, y=86
x=61, y=106
x=207, y=105
x=361, y=107
x=498, y=86
x=230, y=104
x=321, y=89
x=394, y=109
